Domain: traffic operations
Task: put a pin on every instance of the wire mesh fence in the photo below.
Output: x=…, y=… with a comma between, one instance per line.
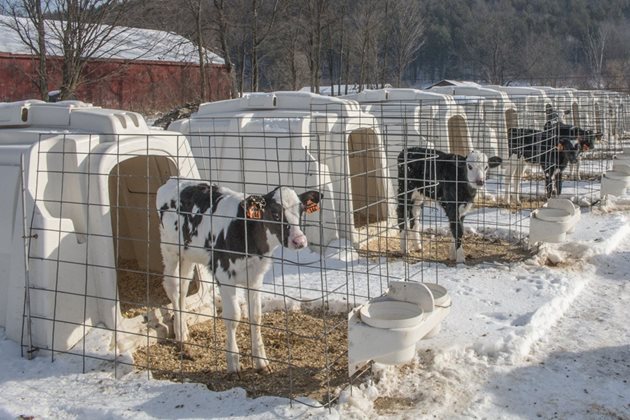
x=409, y=186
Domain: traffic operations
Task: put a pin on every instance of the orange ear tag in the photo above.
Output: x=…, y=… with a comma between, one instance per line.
x=253, y=212
x=311, y=207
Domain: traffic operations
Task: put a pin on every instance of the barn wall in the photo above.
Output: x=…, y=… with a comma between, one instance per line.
x=142, y=86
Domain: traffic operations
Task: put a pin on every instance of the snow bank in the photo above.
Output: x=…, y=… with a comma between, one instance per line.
x=498, y=313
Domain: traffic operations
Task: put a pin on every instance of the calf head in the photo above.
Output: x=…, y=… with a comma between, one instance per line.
x=477, y=165
x=570, y=149
x=280, y=210
x=587, y=139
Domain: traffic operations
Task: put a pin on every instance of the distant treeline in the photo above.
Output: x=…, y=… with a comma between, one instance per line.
x=288, y=44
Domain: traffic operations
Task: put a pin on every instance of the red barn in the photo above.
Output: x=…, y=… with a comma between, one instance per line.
x=144, y=70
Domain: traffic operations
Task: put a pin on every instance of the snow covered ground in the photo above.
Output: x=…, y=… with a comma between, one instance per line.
x=522, y=341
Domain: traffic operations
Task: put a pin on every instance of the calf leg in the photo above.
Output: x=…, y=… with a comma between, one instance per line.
x=205, y=286
x=231, y=316
x=549, y=182
x=518, y=181
x=513, y=176
x=507, y=184
x=404, y=213
x=553, y=178
x=559, y=182
x=457, y=230
x=255, y=319
x=176, y=289
x=416, y=213
x=408, y=212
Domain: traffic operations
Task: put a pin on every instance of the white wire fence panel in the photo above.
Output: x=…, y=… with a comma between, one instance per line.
x=96, y=264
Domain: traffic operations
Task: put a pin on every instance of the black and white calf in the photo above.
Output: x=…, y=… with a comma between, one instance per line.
x=234, y=237
x=449, y=179
x=544, y=148
x=586, y=139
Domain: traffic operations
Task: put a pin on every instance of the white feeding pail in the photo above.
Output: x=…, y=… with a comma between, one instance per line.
x=552, y=222
x=386, y=329
x=391, y=314
x=442, y=300
x=615, y=183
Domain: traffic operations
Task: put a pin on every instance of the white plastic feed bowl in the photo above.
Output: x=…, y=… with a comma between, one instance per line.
x=440, y=294
x=553, y=215
x=391, y=314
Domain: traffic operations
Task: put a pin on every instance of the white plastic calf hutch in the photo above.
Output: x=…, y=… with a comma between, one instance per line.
x=302, y=140
x=565, y=102
x=87, y=204
x=532, y=104
x=412, y=117
x=490, y=114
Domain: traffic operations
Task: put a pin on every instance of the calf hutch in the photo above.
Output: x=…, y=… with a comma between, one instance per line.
x=412, y=117
x=304, y=141
x=490, y=114
x=82, y=183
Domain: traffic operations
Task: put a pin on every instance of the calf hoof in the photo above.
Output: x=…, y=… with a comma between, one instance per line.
x=460, y=257
x=185, y=354
x=235, y=375
x=457, y=255
x=403, y=242
x=234, y=365
x=264, y=368
x=260, y=363
x=410, y=244
x=182, y=336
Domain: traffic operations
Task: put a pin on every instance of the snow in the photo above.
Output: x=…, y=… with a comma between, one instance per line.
x=525, y=340
x=125, y=43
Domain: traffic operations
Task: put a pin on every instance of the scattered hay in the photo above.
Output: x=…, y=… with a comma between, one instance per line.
x=528, y=202
x=478, y=249
x=139, y=291
x=391, y=405
x=299, y=345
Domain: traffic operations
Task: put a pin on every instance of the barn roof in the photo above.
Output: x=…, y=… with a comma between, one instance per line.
x=126, y=44
x=447, y=82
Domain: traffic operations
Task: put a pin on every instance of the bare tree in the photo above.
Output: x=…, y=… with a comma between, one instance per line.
x=197, y=12
x=84, y=30
x=258, y=37
x=315, y=25
x=408, y=29
x=493, y=42
x=28, y=22
x=368, y=25
x=595, y=47
x=222, y=29
x=287, y=47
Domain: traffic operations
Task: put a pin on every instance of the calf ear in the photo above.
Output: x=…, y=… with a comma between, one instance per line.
x=310, y=200
x=254, y=207
x=494, y=161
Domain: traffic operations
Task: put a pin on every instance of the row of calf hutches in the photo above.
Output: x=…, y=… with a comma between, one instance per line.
x=304, y=141
x=88, y=172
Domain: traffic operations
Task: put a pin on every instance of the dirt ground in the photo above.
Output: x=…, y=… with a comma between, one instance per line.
x=436, y=248
x=307, y=353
